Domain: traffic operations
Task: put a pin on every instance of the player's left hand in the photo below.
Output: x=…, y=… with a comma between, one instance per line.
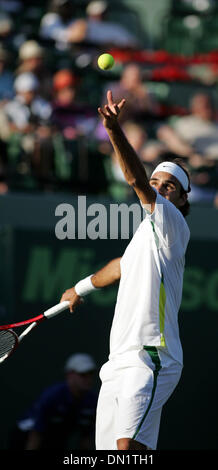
x=111, y=111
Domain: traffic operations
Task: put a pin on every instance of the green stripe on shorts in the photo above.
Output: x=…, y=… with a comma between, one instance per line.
x=153, y=353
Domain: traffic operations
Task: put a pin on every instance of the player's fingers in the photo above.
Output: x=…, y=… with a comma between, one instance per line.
x=102, y=113
x=110, y=98
x=109, y=111
x=121, y=104
x=74, y=304
x=117, y=109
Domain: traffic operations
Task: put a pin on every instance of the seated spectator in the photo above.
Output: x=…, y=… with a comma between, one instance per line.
x=32, y=59
x=27, y=107
x=63, y=417
x=25, y=130
x=195, y=133
x=140, y=104
x=57, y=21
x=99, y=31
x=136, y=135
x=6, y=76
x=152, y=154
x=79, y=164
x=61, y=26
x=195, y=137
x=69, y=115
x=139, y=101
x=6, y=30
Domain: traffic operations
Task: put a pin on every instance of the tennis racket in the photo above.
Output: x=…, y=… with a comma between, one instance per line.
x=9, y=340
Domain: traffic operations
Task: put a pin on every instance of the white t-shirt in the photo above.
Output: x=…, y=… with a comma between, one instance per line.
x=150, y=290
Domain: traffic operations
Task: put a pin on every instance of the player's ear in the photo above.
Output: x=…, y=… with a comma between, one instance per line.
x=183, y=199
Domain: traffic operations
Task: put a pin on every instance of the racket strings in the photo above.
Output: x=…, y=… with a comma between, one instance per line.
x=7, y=342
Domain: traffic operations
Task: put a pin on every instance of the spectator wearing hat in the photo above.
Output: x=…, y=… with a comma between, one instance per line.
x=32, y=59
x=63, y=417
x=26, y=133
x=27, y=108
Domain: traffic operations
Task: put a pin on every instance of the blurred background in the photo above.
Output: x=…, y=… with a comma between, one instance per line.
x=53, y=148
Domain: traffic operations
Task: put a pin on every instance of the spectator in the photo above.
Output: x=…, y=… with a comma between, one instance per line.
x=61, y=26
x=32, y=59
x=195, y=133
x=101, y=32
x=63, y=417
x=136, y=134
x=79, y=164
x=195, y=137
x=6, y=29
x=69, y=115
x=25, y=120
x=27, y=108
x=6, y=76
x=56, y=23
x=140, y=102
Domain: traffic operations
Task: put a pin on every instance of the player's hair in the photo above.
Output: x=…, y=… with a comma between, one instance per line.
x=180, y=162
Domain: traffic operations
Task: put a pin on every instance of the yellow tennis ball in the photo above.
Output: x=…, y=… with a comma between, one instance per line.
x=105, y=61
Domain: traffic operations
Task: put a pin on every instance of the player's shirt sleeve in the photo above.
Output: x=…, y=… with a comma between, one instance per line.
x=168, y=223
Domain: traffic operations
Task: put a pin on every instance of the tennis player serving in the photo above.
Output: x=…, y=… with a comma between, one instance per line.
x=146, y=359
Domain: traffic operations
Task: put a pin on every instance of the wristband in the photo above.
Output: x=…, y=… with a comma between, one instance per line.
x=84, y=286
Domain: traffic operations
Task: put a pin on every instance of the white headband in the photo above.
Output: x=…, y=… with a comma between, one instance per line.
x=175, y=170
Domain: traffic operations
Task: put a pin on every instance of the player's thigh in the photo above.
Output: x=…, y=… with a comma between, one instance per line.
x=140, y=403
x=134, y=397
x=106, y=415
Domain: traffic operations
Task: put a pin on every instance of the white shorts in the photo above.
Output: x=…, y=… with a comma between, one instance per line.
x=131, y=399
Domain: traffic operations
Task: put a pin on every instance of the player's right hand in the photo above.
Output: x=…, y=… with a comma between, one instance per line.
x=111, y=111
x=72, y=297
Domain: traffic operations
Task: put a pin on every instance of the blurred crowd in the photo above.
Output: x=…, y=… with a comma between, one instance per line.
x=51, y=136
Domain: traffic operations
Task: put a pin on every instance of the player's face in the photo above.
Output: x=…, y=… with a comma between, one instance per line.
x=169, y=187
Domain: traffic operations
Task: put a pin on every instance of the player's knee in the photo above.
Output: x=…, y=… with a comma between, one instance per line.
x=130, y=444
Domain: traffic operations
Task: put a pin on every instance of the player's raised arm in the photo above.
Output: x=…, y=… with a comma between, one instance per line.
x=132, y=167
x=106, y=276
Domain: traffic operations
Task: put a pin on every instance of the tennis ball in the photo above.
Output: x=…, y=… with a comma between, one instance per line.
x=105, y=61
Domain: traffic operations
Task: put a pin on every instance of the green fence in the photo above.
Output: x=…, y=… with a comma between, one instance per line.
x=36, y=268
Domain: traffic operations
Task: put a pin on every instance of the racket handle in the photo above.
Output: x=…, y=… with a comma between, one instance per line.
x=51, y=312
